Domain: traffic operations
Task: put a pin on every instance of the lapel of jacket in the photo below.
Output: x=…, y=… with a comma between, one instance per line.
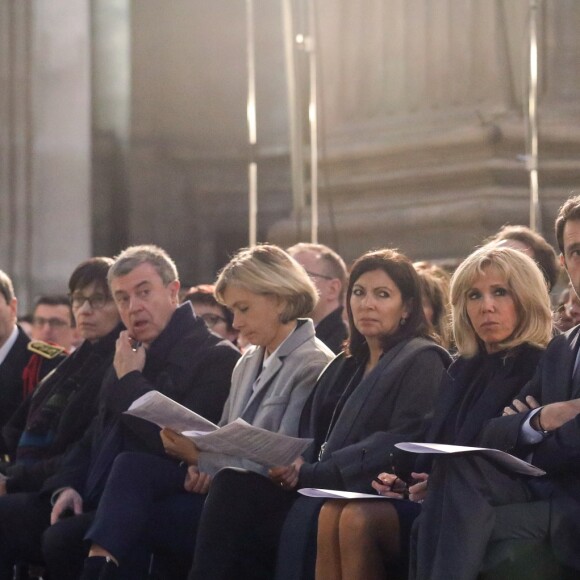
x=251, y=363
x=558, y=380
x=575, y=377
x=303, y=332
x=265, y=379
x=359, y=400
x=448, y=395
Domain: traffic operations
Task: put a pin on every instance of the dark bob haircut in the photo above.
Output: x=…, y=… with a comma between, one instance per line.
x=91, y=270
x=401, y=271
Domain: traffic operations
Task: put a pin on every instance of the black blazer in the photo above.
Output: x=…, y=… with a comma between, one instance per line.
x=389, y=405
x=559, y=453
x=11, y=380
x=510, y=374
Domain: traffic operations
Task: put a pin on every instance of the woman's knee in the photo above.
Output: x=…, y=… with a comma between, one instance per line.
x=362, y=518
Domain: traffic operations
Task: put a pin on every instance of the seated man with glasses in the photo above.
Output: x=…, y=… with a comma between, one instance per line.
x=328, y=272
x=53, y=321
x=57, y=414
x=29, y=361
x=217, y=317
x=53, y=336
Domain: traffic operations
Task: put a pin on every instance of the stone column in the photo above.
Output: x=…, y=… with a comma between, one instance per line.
x=45, y=142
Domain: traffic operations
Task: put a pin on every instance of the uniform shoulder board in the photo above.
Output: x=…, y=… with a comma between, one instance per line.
x=44, y=349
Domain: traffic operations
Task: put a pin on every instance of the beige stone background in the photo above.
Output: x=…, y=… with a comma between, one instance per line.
x=125, y=122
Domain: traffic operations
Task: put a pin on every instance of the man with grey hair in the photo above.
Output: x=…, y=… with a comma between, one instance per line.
x=328, y=273
x=14, y=354
x=165, y=347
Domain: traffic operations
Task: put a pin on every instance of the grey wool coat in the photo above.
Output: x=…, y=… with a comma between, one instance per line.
x=284, y=387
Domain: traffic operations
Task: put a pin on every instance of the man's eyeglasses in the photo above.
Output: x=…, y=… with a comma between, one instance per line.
x=212, y=319
x=317, y=275
x=96, y=301
x=39, y=322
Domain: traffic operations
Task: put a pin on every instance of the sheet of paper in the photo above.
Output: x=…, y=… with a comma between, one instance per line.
x=506, y=460
x=334, y=494
x=165, y=412
x=241, y=439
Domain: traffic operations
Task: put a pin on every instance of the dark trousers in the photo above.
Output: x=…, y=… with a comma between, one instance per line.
x=240, y=527
x=144, y=508
x=23, y=518
x=470, y=503
x=64, y=548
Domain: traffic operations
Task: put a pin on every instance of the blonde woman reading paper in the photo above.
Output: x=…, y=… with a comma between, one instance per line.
x=372, y=396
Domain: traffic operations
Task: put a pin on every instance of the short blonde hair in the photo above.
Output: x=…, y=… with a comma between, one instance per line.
x=527, y=286
x=270, y=271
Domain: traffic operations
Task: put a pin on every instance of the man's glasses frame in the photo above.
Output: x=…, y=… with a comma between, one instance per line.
x=318, y=275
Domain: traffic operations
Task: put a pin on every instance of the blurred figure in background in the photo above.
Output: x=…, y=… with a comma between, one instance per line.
x=435, y=290
x=217, y=317
x=53, y=321
x=534, y=245
x=328, y=272
x=572, y=308
x=25, y=322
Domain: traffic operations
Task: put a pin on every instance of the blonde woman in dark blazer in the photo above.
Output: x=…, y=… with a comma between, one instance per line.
x=269, y=294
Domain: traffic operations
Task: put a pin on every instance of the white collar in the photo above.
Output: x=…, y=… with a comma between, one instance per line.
x=269, y=358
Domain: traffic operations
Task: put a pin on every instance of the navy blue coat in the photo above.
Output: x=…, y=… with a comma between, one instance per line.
x=188, y=363
x=559, y=453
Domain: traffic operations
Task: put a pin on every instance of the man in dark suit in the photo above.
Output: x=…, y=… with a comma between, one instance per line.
x=14, y=354
x=328, y=272
x=165, y=347
x=487, y=514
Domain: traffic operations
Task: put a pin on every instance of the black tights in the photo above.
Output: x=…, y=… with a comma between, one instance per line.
x=240, y=527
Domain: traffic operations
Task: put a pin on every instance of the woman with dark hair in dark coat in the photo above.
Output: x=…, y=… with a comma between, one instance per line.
x=501, y=324
x=374, y=395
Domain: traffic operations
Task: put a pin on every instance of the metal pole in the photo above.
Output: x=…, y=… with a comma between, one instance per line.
x=313, y=121
x=532, y=120
x=252, y=127
x=294, y=113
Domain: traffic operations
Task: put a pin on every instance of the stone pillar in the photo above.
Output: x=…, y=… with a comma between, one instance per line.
x=45, y=142
x=111, y=106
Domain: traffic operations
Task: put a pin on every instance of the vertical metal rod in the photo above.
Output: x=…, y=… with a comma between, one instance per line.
x=532, y=120
x=313, y=121
x=252, y=127
x=294, y=113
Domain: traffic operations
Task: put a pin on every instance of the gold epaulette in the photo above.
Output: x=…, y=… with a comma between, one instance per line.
x=45, y=349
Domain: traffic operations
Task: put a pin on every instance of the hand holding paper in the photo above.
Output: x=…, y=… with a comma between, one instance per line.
x=238, y=438
x=179, y=447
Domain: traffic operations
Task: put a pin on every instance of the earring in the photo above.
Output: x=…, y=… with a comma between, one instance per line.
x=402, y=322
